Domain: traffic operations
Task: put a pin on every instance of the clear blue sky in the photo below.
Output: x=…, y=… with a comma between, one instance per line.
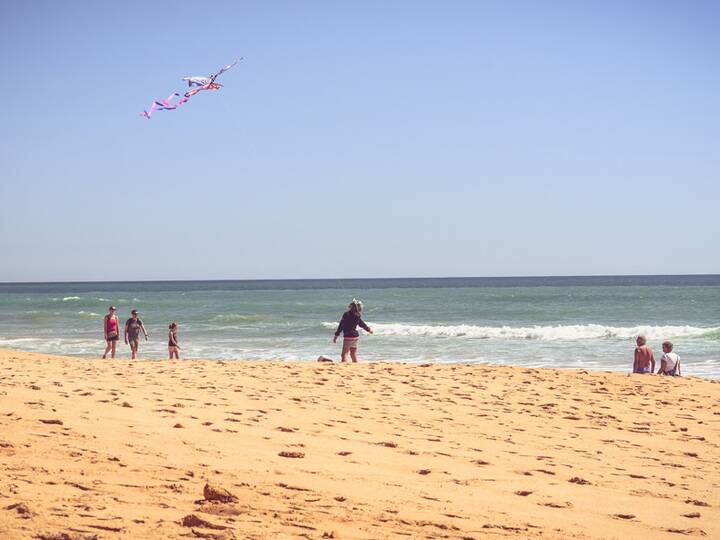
x=362, y=139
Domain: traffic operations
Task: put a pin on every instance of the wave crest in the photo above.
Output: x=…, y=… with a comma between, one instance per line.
x=230, y=317
x=569, y=332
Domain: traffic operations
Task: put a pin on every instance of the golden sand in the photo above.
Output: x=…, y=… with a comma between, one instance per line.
x=120, y=449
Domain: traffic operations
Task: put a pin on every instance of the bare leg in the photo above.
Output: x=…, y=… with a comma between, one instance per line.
x=114, y=347
x=170, y=353
x=107, y=348
x=353, y=353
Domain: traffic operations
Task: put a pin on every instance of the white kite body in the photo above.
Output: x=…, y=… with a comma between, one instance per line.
x=197, y=81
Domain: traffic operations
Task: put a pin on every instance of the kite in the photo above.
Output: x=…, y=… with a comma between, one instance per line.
x=196, y=85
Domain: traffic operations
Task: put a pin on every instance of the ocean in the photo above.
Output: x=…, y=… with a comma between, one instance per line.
x=563, y=322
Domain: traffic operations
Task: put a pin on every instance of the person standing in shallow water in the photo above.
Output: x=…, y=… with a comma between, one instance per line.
x=173, y=347
x=111, y=327
x=132, y=332
x=349, y=322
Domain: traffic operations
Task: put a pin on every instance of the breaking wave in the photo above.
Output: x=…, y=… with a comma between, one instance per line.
x=570, y=332
x=230, y=317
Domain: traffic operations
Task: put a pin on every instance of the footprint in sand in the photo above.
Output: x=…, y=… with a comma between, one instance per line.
x=580, y=481
x=688, y=532
x=696, y=502
x=293, y=454
x=559, y=505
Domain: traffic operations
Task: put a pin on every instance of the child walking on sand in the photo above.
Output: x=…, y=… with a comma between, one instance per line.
x=644, y=361
x=173, y=347
x=349, y=322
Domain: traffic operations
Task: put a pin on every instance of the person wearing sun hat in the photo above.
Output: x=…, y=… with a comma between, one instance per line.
x=132, y=332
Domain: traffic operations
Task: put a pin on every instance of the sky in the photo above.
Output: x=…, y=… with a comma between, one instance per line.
x=359, y=139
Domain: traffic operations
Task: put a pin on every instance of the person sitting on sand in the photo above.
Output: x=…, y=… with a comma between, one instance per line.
x=132, y=332
x=670, y=361
x=348, y=326
x=644, y=361
x=111, y=327
x=173, y=347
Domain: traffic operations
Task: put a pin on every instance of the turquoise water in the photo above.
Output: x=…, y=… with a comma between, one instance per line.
x=588, y=322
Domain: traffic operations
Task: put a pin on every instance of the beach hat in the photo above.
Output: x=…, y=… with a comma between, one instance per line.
x=133, y=312
x=113, y=308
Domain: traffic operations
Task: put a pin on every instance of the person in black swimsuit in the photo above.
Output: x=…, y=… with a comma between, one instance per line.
x=173, y=347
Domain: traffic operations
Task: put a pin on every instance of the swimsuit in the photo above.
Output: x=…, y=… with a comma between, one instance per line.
x=133, y=332
x=111, y=328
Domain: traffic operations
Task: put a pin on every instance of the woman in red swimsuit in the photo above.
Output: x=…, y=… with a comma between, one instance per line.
x=112, y=334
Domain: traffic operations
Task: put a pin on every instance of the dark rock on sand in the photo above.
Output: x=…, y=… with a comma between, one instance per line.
x=216, y=493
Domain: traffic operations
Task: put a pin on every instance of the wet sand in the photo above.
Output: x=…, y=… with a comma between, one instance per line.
x=120, y=449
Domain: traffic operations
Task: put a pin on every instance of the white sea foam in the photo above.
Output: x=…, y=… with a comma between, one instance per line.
x=70, y=298
x=570, y=332
x=230, y=317
x=13, y=342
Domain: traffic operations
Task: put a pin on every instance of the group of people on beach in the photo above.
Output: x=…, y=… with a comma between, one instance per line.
x=133, y=327
x=348, y=325
x=644, y=359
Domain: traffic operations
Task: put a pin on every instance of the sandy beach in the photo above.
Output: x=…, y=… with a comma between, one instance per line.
x=202, y=449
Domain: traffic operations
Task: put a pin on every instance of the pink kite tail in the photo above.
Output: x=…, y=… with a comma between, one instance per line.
x=191, y=93
x=147, y=114
x=182, y=101
x=208, y=86
x=165, y=103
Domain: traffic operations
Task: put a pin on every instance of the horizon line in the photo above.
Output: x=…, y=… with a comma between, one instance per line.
x=226, y=280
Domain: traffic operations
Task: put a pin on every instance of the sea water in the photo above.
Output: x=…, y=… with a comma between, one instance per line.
x=566, y=322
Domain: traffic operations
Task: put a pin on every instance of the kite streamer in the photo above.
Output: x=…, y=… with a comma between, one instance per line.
x=164, y=105
x=208, y=86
